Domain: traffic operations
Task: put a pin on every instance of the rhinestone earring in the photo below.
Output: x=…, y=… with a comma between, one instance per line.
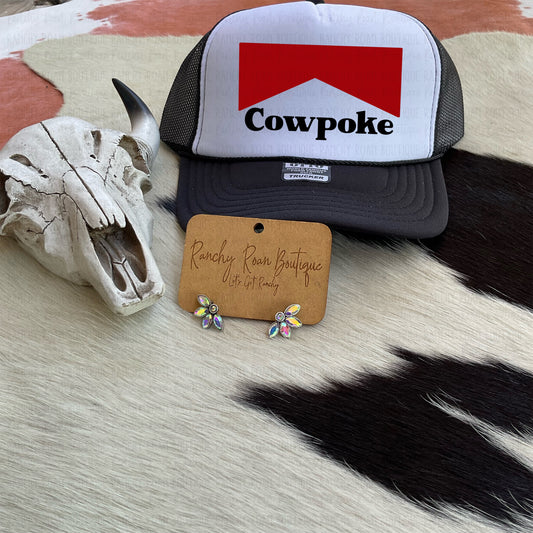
x=284, y=321
x=208, y=312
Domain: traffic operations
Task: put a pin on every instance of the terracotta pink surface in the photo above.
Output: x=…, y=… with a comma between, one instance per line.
x=32, y=99
x=27, y=98
x=446, y=19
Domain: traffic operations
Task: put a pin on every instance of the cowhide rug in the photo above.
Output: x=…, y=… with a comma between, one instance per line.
x=408, y=409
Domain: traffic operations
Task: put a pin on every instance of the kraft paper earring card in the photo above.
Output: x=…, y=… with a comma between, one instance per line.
x=254, y=267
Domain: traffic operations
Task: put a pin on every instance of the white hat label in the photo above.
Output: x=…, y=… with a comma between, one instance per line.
x=305, y=172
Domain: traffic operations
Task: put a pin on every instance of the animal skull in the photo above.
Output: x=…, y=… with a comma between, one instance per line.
x=72, y=196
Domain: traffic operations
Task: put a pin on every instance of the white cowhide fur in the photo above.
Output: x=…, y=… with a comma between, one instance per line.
x=137, y=424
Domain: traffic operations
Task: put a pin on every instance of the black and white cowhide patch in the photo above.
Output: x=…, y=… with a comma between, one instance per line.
x=489, y=238
x=425, y=431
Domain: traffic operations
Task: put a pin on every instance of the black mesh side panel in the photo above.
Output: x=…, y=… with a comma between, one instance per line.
x=180, y=115
x=449, y=126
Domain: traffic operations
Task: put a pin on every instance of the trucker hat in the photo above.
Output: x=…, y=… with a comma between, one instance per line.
x=309, y=111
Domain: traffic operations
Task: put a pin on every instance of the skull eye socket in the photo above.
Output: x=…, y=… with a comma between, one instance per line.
x=132, y=147
x=23, y=160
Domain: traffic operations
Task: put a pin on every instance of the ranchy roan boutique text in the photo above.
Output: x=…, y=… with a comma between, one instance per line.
x=290, y=261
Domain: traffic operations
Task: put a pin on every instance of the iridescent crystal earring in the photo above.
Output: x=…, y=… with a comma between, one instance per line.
x=284, y=321
x=208, y=312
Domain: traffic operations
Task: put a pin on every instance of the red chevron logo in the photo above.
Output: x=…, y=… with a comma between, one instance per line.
x=372, y=74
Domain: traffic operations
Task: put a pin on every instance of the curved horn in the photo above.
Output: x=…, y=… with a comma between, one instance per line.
x=144, y=128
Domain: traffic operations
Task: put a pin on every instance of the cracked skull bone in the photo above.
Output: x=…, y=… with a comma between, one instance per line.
x=72, y=194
